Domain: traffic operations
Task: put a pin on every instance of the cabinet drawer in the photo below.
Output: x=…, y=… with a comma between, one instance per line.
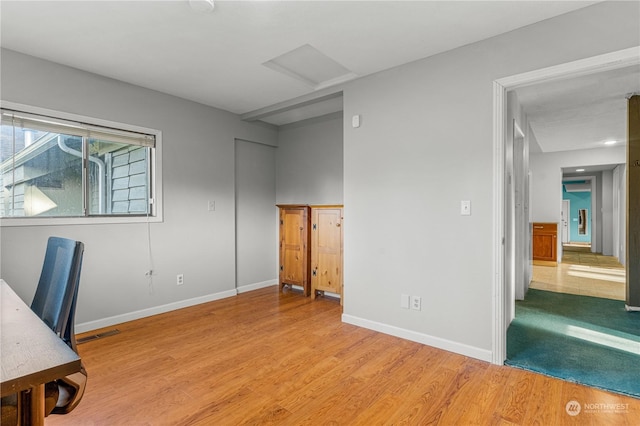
x=545, y=227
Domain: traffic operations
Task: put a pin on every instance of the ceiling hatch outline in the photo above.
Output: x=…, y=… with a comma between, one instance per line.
x=312, y=67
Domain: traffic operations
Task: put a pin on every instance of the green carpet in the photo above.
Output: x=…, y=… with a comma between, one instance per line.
x=582, y=339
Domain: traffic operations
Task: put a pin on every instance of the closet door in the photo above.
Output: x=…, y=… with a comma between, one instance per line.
x=326, y=250
x=294, y=246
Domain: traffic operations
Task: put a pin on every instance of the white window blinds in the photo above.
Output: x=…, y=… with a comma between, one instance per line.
x=55, y=125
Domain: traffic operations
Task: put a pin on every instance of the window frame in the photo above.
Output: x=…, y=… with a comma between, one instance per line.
x=155, y=171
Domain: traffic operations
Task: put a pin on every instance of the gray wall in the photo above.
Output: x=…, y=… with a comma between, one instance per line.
x=546, y=188
x=425, y=143
x=310, y=162
x=256, y=215
x=198, y=165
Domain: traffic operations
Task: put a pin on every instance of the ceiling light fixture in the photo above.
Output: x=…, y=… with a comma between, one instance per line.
x=202, y=6
x=610, y=142
x=579, y=170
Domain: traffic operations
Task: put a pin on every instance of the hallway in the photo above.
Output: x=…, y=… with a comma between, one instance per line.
x=582, y=273
x=588, y=340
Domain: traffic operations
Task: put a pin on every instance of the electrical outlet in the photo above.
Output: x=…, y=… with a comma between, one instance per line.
x=416, y=303
x=179, y=279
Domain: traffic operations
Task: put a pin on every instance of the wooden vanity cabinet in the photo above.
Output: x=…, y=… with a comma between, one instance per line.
x=545, y=243
x=326, y=250
x=295, y=249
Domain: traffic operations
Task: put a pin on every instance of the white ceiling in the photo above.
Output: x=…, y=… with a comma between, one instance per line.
x=580, y=112
x=217, y=58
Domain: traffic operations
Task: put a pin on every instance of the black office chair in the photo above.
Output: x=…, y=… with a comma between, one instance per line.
x=58, y=284
x=55, y=303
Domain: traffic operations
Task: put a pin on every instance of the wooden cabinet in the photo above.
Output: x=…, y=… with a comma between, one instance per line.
x=294, y=246
x=545, y=243
x=326, y=250
x=311, y=253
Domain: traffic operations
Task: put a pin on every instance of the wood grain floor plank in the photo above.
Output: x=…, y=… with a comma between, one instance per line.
x=278, y=358
x=514, y=401
x=537, y=412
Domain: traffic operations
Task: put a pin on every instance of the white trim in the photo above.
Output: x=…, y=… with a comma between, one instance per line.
x=632, y=308
x=143, y=313
x=517, y=130
x=425, y=339
x=608, y=61
x=499, y=344
x=156, y=186
x=568, y=224
x=256, y=286
x=7, y=222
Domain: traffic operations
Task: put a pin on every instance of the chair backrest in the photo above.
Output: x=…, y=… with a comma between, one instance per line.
x=54, y=301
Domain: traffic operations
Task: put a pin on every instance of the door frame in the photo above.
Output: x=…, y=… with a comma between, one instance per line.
x=502, y=304
x=593, y=217
x=566, y=218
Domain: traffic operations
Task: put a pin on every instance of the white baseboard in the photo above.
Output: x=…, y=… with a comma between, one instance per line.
x=437, y=342
x=256, y=286
x=632, y=308
x=130, y=316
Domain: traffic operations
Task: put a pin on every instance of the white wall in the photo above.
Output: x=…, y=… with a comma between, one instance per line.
x=607, y=212
x=198, y=149
x=518, y=242
x=309, y=162
x=620, y=212
x=547, y=177
x=425, y=143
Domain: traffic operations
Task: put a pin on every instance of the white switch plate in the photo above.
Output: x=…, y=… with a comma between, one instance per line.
x=355, y=121
x=465, y=208
x=404, y=301
x=211, y=206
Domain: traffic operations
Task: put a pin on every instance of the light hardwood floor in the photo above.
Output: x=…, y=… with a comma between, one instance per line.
x=266, y=357
x=582, y=273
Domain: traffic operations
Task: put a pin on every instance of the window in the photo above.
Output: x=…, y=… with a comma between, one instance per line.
x=53, y=167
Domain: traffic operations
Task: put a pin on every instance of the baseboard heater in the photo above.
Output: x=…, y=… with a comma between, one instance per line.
x=107, y=333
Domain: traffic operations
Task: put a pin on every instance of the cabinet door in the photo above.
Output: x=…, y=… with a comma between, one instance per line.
x=326, y=250
x=544, y=242
x=544, y=246
x=294, y=247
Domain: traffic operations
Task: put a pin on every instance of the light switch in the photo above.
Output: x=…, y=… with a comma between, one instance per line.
x=404, y=301
x=355, y=121
x=465, y=208
x=211, y=206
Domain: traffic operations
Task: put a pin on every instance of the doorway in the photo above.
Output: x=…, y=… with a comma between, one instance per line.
x=536, y=342
x=504, y=300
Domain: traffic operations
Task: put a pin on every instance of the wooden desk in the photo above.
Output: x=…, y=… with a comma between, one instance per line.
x=32, y=354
